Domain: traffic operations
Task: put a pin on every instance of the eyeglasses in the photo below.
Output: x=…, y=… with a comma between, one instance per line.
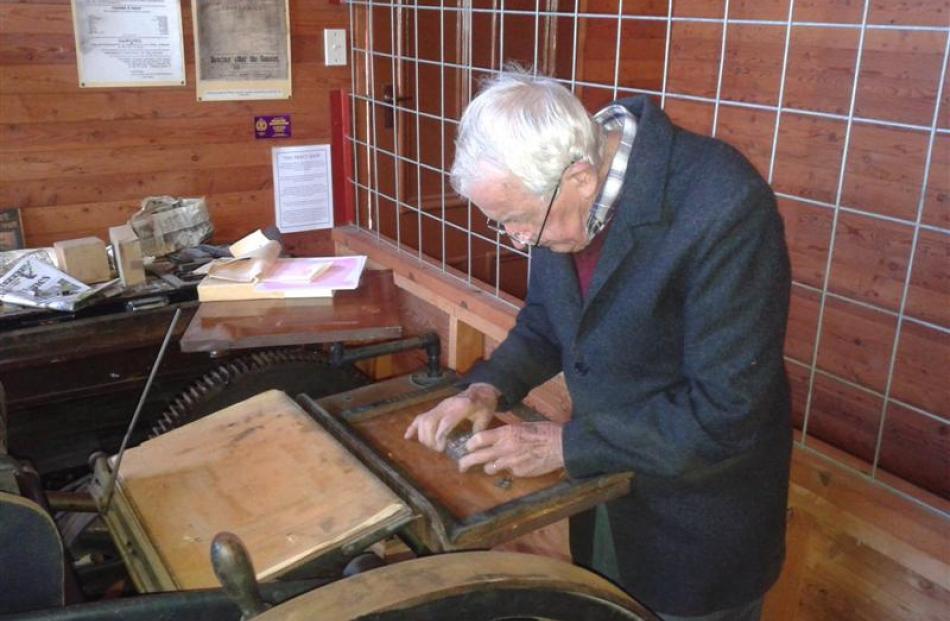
x=521, y=238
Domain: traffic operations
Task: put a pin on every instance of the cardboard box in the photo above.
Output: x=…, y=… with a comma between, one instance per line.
x=84, y=259
x=127, y=249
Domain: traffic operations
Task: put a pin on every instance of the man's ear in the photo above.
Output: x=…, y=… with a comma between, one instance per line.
x=583, y=177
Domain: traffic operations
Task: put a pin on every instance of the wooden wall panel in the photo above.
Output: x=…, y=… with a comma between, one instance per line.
x=77, y=161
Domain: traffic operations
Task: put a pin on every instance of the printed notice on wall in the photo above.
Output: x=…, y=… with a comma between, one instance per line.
x=242, y=49
x=129, y=43
x=303, y=188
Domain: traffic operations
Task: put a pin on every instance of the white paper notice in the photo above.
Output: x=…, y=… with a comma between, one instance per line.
x=303, y=188
x=129, y=42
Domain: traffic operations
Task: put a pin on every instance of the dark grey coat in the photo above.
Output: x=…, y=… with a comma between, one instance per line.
x=674, y=364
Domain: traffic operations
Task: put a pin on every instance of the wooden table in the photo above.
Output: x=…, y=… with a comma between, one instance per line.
x=370, y=313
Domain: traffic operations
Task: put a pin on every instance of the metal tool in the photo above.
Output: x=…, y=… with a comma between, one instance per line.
x=147, y=303
x=456, y=440
x=110, y=484
x=429, y=342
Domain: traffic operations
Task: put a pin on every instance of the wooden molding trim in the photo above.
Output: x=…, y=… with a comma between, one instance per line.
x=894, y=526
x=855, y=549
x=434, y=202
x=342, y=158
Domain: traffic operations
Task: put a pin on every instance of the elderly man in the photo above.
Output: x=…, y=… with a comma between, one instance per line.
x=659, y=286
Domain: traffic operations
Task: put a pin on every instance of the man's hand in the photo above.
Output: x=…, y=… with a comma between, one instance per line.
x=526, y=449
x=476, y=403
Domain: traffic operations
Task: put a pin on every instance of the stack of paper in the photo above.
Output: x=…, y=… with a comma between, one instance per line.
x=256, y=273
x=289, y=278
x=286, y=279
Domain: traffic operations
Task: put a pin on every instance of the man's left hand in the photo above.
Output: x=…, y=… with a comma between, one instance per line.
x=526, y=449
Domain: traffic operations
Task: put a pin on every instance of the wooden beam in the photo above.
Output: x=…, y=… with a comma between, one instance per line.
x=466, y=345
x=344, y=201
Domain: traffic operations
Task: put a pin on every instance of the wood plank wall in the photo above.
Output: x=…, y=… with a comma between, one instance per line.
x=855, y=551
x=77, y=161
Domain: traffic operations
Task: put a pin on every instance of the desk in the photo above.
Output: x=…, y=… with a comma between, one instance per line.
x=370, y=313
x=71, y=385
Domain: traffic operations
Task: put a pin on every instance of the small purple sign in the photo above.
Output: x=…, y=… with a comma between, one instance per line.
x=276, y=126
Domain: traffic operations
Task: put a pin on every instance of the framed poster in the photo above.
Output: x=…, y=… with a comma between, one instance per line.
x=11, y=229
x=242, y=49
x=129, y=43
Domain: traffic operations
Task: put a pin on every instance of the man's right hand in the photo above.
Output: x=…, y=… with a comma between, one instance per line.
x=476, y=403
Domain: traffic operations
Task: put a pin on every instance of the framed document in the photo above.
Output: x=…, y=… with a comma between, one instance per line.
x=129, y=43
x=11, y=229
x=242, y=49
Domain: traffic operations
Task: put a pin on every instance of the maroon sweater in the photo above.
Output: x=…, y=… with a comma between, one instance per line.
x=586, y=260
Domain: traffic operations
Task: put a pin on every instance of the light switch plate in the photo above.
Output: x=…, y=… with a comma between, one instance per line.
x=334, y=47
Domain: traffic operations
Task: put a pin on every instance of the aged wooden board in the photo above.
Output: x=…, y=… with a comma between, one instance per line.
x=460, y=510
x=463, y=493
x=367, y=314
x=263, y=470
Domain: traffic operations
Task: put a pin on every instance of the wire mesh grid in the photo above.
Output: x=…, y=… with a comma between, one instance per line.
x=417, y=63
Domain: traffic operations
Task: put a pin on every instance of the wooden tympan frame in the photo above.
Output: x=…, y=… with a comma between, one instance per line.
x=441, y=529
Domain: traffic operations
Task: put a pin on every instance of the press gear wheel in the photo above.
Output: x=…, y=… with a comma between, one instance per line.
x=291, y=370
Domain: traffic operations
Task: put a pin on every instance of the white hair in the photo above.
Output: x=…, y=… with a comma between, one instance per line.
x=529, y=126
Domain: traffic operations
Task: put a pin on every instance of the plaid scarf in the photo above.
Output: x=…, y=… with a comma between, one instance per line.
x=611, y=118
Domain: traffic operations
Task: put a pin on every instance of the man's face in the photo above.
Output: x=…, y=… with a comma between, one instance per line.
x=504, y=199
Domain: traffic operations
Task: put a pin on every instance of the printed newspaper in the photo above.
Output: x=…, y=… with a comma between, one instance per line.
x=33, y=282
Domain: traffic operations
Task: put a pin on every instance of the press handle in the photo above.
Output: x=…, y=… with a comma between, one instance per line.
x=234, y=569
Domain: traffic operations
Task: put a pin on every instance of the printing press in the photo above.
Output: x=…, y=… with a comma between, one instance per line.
x=291, y=501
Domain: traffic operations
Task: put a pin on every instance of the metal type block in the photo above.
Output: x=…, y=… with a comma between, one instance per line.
x=455, y=444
